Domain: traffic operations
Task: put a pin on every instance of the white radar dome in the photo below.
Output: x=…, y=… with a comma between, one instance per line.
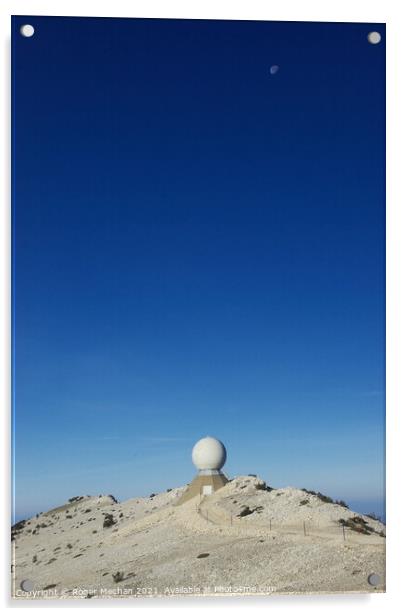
x=209, y=454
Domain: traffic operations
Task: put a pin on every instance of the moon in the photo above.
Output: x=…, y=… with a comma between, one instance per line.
x=27, y=30
x=374, y=38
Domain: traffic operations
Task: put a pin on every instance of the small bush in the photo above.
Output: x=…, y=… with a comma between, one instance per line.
x=341, y=503
x=245, y=511
x=304, y=502
x=358, y=520
x=373, y=516
x=75, y=499
x=108, y=521
x=118, y=577
x=356, y=524
x=17, y=528
x=263, y=486
x=203, y=555
x=326, y=499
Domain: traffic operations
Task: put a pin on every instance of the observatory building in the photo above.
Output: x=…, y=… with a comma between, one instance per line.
x=209, y=456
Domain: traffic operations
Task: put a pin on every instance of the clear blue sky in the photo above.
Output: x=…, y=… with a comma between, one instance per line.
x=198, y=248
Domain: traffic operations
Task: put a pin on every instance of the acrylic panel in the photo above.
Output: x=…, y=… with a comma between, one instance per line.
x=198, y=304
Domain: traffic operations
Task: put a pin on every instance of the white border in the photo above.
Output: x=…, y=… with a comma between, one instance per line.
x=283, y=10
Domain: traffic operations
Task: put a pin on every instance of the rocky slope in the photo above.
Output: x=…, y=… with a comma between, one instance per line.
x=244, y=539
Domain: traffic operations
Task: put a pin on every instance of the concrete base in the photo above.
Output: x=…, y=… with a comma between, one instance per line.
x=202, y=485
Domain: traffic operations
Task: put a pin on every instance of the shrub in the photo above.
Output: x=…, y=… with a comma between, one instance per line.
x=109, y=520
x=263, y=486
x=373, y=516
x=356, y=524
x=75, y=499
x=245, y=511
x=118, y=577
x=326, y=499
x=17, y=528
x=358, y=520
x=304, y=502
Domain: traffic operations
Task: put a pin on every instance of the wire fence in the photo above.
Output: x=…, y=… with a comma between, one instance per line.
x=305, y=528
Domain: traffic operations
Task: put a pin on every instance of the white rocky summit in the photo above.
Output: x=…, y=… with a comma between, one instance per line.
x=245, y=538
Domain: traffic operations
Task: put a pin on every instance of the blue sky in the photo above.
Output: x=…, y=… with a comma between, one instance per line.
x=198, y=248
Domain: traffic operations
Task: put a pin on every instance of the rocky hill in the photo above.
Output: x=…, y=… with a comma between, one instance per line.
x=247, y=538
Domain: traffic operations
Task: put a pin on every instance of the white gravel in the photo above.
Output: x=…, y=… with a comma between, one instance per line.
x=291, y=542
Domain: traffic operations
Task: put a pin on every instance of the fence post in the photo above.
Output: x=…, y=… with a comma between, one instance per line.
x=231, y=520
x=343, y=530
x=304, y=528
